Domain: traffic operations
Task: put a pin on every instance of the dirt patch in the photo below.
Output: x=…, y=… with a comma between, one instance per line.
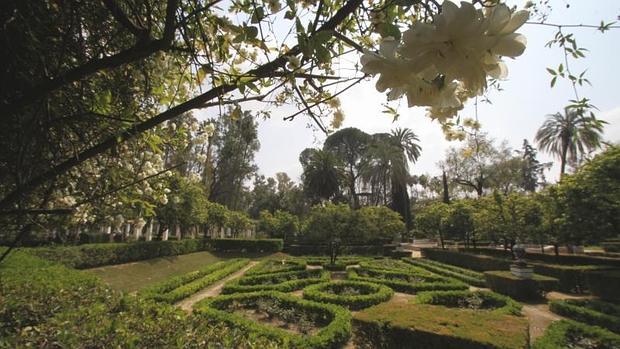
x=213, y=290
x=555, y=296
x=298, y=293
x=539, y=317
x=273, y=321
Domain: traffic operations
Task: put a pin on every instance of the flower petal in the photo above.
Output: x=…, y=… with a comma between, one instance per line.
x=516, y=21
x=511, y=45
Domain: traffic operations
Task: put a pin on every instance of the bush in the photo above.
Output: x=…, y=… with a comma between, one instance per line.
x=592, y=312
x=468, y=261
x=391, y=265
x=283, y=282
x=429, y=326
x=393, y=281
x=270, y=266
x=246, y=245
x=465, y=275
x=94, y=238
x=570, y=334
x=180, y=287
x=611, y=246
x=605, y=284
x=96, y=255
x=334, y=334
x=367, y=294
x=472, y=300
x=549, y=258
x=521, y=289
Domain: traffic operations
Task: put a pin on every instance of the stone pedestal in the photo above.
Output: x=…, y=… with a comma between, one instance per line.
x=522, y=271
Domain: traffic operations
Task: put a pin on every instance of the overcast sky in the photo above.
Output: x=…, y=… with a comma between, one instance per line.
x=515, y=113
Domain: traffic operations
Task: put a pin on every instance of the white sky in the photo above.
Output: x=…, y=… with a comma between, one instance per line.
x=516, y=112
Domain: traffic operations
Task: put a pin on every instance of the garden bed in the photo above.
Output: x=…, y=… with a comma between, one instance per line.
x=177, y=288
x=269, y=314
x=465, y=275
x=571, y=334
x=520, y=289
x=476, y=300
x=405, y=281
x=283, y=282
x=354, y=295
x=428, y=326
x=589, y=311
x=270, y=266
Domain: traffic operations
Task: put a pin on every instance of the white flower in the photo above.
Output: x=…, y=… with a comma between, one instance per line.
x=166, y=190
x=164, y=200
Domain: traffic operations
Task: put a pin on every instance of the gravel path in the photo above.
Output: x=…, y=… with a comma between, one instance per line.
x=213, y=290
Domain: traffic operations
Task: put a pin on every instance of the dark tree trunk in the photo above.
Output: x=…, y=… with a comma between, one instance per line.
x=446, y=193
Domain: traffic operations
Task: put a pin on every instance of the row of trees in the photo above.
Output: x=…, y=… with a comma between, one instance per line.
x=582, y=208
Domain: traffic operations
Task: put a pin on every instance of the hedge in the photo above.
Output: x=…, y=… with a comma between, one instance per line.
x=571, y=278
x=338, y=266
x=465, y=275
x=591, y=312
x=180, y=287
x=334, y=334
x=314, y=249
x=332, y=292
x=563, y=259
x=521, y=289
x=391, y=264
x=428, y=326
x=321, y=260
x=471, y=299
x=408, y=287
x=571, y=334
x=612, y=246
x=270, y=266
x=246, y=245
x=283, y=282
x=96, y=255
x=605, y=284
x=45, y=304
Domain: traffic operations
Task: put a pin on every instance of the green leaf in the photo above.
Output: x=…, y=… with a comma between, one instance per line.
x=323, y=36
x=551, y=71
x=322, y=54
x=258, y=15
x=250, y=32
x=388, y=29
x=553, y=81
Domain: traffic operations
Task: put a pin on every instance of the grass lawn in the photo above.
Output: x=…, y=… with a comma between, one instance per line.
x=134, y=276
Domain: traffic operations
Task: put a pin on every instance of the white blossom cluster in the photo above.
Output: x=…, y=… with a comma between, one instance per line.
x=441, y=64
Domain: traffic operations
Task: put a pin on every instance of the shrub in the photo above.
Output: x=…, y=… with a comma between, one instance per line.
x=390, y=264
x=247, y=245
x=473, y=300
x=365, y=294
x=283, y=282
x=611, y=246
x=605, y=284
x=521, y=289
x=468, y=261
x=177, y=288
x=592, y=312
x=337, y=320
x=465, y=275
x=269, y=266
x=338, y=266
x=562, y=259
x=570, y=334
x=428, y=326
x=426, y=283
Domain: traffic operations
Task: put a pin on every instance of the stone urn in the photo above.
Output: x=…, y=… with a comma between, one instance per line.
x=520, y=268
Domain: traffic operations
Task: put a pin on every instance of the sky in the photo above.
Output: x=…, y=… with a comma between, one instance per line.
x=515, y=113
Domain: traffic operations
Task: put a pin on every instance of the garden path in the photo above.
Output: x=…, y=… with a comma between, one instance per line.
x=213, y=290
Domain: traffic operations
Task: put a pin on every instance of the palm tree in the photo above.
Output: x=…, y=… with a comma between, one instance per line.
x=322, y=173
x=569, y=135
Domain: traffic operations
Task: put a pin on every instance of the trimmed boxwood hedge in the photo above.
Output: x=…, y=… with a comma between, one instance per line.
x=283, y=282
x=465, y=275
x=96, y=255
x=481, y=300
x=331, y=292
x=428, y=326
x=180, y=287
x=521, y=289
x=270, y=266
x=430, y=283
x=571, y=334
x=563, y=259
x=391, y=264
x=605, y=284
x=333, y=335
x=591, y=312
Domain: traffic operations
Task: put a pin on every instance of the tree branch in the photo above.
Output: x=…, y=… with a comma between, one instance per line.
x=121, y=17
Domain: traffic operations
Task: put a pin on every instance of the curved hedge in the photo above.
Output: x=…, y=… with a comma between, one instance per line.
x=271, y=266
x=428, y=283
x=591, y=312
x=334, y=334
x=468, y=299
x=564, y=333
x=467, y=276
x=177, y=288
x=330, y=292
x=283, y=282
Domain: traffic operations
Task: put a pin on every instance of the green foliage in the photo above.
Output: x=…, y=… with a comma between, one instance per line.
x=354, y=295
x=282, y=281
x=471, y=300
x=180, y=287
x=605, y=284
x=188, y=206
x=591, y=312
x=335, y=321
x=278, y=225
x=247, y=245
x=465, y=275
x=427, y=326
x=570, y=334
x=270, y=266
x=521, y=289
x=406, y=282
